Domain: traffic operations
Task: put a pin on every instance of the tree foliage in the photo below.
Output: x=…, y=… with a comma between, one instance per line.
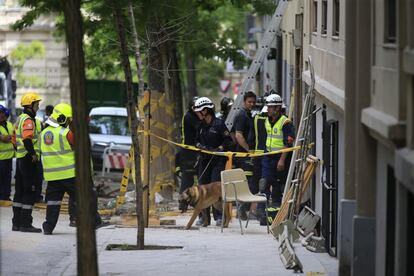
x=211, y=31
x=21, y=54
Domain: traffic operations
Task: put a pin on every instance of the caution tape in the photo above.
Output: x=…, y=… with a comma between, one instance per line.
x=127, y=170
x=220, y=153
x=6, y=203
x=124, y=182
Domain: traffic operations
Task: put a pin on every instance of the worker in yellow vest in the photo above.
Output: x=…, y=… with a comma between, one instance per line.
x=6, y=154
x=280, y=134
x=58, y=161
x=28, y=167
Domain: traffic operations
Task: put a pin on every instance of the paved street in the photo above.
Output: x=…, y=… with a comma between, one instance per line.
x=205, y=251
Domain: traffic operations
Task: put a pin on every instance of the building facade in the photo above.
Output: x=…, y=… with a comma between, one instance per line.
x=363, y=57
x=315, y=29
x=51, y=69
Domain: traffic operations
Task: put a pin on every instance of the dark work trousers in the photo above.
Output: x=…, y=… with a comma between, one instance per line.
x=27, y=180
x=187, y=162
x=54, y=194
x=209, y=170
x=5, y=178
x=246, y=164
x=274, y=180
x=257, y=174
x=72, y=208
x=39, y=196
x=281, y=181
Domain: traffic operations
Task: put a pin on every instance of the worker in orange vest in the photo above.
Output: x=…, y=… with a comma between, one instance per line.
x=28, y=167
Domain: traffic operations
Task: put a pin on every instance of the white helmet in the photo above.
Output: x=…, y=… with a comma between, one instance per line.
x=202, y=103
x=274, y=99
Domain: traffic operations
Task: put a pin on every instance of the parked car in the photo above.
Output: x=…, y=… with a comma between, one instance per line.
x=107, y=126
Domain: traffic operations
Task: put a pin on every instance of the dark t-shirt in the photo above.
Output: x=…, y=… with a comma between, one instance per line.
x=243, y=123
x=213, y=135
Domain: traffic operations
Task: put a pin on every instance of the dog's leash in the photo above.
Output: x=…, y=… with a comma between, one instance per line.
x=205, y=169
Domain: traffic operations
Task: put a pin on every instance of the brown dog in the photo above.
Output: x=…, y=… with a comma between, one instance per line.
x=203, y=196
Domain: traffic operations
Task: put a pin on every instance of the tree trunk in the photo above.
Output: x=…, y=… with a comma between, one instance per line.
x=175, y=82
x=155, y=68
x=137, y=44
x=131, y=107
x=86, y=208
x=166, y=74
x=191, y=74
x=146, y=144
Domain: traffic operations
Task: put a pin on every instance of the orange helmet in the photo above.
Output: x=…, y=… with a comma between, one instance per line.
x=30, y=98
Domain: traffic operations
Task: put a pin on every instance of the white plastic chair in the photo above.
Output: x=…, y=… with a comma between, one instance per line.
x=234, y=188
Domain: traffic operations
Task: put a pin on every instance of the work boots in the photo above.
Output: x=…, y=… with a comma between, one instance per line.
x=30, y=229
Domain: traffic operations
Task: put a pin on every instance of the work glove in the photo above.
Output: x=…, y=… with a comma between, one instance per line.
x=177, y=171
x=34, y=158
x=200, y=146
x=5, y=138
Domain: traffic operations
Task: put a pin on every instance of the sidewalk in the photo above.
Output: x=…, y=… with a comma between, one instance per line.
x=206, y=251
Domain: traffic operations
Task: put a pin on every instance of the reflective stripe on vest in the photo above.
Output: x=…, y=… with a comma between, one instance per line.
x=57, y=156
x=6, y=149
x=274, y=140
x=21, y=150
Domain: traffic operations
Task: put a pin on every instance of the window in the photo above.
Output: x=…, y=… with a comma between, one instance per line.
x=410, y=239
x=109, y=125
x=330, y=136
x=411, y=140
x=335, y=21
x=390, y=21
x=324, y=16
x=315, y=16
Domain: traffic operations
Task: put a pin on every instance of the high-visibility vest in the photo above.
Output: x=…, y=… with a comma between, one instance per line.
x=20, y=149
x=259, y=133
x=6, y=149
x=274, y=140
x=58, y=158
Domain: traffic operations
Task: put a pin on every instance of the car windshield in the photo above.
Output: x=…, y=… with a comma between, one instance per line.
x=108, y=125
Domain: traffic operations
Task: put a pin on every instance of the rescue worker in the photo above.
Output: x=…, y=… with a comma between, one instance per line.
x=186, y=159
x=284, y=107
x=58, y=162
x=48, y=113
x=259, y=134
x=259, y=106
x=243, y=127
x=6, y=154
x=279, y=135
x=225, y=106
x=28, y=168
x=213, y=136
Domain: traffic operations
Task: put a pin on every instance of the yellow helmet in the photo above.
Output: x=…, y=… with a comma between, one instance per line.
x=30, y=98
x=61, y=113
